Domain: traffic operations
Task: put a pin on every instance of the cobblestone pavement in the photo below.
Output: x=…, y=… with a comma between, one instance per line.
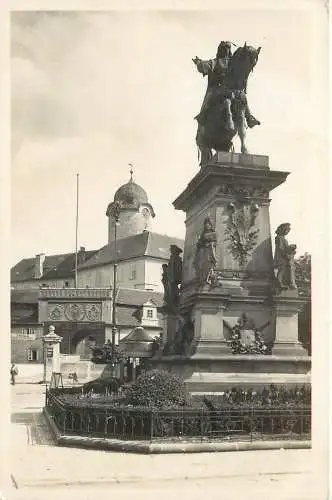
x=38, y=467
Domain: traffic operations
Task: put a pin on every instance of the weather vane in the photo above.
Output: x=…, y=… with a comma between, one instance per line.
x=131, y=170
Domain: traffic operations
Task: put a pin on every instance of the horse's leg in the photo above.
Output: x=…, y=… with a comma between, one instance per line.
x=206, y=155
x=241, y=129
x=251, y=120
x=229, y=116
x=205, y=152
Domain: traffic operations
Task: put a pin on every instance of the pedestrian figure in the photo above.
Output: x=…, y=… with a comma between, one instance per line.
x=13, y=373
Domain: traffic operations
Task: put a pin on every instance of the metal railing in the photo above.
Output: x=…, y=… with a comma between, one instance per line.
x=247, y=424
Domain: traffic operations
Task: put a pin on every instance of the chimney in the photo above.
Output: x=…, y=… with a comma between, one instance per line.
x=81, y=256
x=39, y=265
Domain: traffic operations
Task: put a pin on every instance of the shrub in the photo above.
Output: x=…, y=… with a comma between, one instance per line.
x=102, y=385
x=272, y=396
x=158, y=389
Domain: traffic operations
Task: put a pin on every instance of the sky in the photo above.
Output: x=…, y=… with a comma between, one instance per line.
x=92, y=92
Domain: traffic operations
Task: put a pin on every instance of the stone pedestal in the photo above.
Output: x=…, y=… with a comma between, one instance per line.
x=171, y=324
x=233, y=192
x=207, y=316
x=287, y=306
x=217, y=373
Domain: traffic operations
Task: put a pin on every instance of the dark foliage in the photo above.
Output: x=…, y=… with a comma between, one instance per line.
x=102, y=386
x=106, y=354
x=303, y=281
x=272, y=396
x=158, y=389
x=303, y=274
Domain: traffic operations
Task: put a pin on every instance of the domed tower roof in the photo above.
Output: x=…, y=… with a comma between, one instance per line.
x=131, y=194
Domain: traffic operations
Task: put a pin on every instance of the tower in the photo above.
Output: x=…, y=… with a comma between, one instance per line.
x=136, y=212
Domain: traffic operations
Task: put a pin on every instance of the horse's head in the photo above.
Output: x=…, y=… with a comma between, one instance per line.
x=241, y=64
x=250, y=55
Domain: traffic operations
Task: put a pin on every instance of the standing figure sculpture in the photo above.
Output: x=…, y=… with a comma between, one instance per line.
x=205, y=256
x=225, y=111
x=164, y=280
x=173, y=273
x=284, y=256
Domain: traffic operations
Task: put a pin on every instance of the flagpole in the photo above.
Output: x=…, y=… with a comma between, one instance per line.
x=76, y=224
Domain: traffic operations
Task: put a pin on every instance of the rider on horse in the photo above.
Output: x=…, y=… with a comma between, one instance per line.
x=216, y=70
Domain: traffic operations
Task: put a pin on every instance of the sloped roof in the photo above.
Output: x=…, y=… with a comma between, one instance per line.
x=54, y=267
x=25, y=269
x=24, y=313
x=138, y=334
x=158, y=245
x=24, y=296
x=138, y=343
x=144, y=244
x=127, y=316
x=131, y=297
x=66, y=268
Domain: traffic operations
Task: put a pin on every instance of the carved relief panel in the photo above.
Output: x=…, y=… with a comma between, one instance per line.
x=241, y=232
x=244, y=222
x=75, y=311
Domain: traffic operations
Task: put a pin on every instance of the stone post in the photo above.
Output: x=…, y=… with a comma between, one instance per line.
x=171, y=323
x=51, y=343
x=208, y=329
x=286, y=309
x=164, y=331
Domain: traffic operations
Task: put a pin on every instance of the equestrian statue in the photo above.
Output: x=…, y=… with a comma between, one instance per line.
x=225, y=111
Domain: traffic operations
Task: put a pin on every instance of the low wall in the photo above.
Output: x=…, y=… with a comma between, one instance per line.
x=29, y=372
x=85, y=370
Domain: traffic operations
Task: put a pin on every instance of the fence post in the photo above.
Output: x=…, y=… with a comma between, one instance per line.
x=106, y=422
x=301, y=421
x=64, y=420
x=152, y=425
x=202, y=424
x=82, y=420
x=252, y=422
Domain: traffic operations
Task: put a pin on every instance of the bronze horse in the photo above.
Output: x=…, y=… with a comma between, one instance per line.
x=226, y=115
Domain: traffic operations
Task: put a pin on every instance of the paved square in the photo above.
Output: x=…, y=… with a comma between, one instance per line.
x=38, y=467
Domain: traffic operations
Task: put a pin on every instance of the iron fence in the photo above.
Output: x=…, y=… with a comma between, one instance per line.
x=138, y=424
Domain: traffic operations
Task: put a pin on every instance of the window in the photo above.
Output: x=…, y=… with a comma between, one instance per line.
x=133, y=273
x=66, y=284
x=149, y=313
x=26, y=334
x=32, y=355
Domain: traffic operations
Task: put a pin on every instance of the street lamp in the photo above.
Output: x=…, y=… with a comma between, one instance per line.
x=115, y=212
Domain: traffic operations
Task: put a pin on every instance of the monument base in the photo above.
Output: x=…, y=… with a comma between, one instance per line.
x=288, y=349
x=213, y=374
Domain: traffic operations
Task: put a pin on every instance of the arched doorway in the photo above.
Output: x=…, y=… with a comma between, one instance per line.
x=81, y=343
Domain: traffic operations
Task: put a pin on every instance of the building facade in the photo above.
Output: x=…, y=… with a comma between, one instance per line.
x=43, y=288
